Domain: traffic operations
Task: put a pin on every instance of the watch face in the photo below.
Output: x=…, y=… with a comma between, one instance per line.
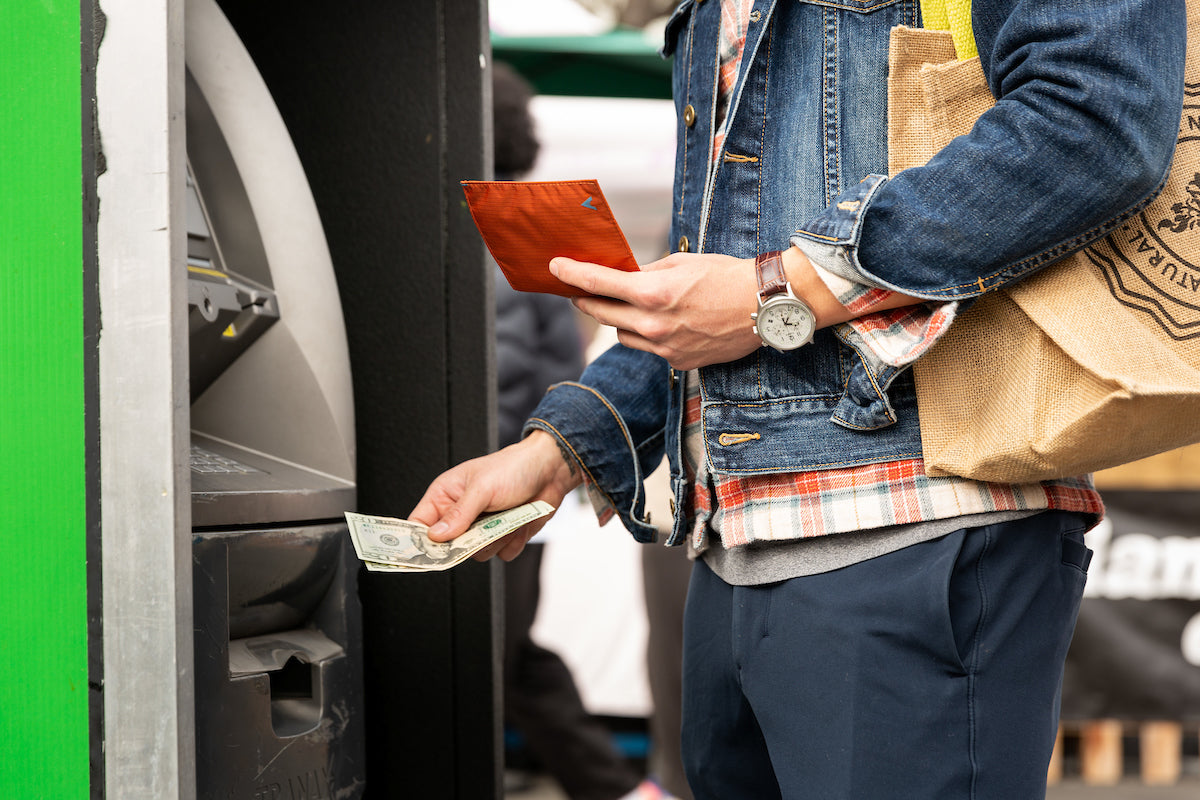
x=785, y=324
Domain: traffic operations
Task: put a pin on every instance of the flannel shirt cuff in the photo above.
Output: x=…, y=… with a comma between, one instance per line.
x=893, y=337
x=601, y=505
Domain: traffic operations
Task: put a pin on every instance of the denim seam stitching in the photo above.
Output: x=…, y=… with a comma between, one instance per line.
x=688, y=96
x=880, y=394
x=811, y=467
x=831, y=156
x=774, y=401
x=710, y=167
x=633, y=451
x=650, y=441
x=864, y=9
x=1025, y=266
x=762, y=135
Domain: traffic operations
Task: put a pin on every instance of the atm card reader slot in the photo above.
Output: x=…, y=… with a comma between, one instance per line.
x=226, y=314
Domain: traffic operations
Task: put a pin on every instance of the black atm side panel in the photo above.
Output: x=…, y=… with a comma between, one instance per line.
x=387, y=108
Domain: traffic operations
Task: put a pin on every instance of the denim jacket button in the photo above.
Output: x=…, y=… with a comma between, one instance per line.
x=689, y=115
x=672, y=377
x=684, y=244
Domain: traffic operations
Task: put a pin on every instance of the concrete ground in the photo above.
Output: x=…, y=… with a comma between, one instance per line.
x=1129, y=789
x=540, y=787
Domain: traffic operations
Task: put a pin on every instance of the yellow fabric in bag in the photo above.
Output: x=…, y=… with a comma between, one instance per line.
x=1024, y=386
x=953, y=16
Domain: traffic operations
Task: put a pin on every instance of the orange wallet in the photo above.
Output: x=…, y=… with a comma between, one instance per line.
x=526, y=223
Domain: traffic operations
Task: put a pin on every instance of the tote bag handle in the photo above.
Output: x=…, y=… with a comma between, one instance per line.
x=953, y=16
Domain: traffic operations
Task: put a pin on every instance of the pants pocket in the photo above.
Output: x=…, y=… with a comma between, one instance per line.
x=1074, y=552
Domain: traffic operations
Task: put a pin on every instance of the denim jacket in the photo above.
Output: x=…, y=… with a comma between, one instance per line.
x=1081, y=137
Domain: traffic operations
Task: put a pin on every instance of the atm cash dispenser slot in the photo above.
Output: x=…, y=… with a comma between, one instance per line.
x=278, y=695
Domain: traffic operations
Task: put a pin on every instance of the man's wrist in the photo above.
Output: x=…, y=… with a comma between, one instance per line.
x=809, y=287
x=560, y=463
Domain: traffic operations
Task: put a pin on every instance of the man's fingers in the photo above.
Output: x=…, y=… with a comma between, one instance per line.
x=593, y=278
x=427, y=510
x=666, y=262
x=613, y=313
x=513, y=548
x=636, y=341
x=454, y=520
x=489, y=551
x=532, y=469
x=512, y=544
x=451, y=504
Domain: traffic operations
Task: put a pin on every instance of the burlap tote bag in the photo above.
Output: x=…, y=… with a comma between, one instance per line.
x=1090, y=363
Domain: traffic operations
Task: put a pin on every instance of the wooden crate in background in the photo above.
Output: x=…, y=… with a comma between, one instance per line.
x=1101, y=747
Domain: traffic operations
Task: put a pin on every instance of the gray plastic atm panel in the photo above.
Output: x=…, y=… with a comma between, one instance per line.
x=285, y=404
x=233, y=485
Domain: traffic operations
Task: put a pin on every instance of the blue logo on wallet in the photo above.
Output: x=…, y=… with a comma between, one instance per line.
x=588, y=204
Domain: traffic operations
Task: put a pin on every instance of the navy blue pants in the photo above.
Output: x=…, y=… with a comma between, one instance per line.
x=930, y=673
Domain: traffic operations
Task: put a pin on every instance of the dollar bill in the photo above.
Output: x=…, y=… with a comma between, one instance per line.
x=389, y=544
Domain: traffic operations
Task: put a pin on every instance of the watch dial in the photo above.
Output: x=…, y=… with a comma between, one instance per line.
x=785, y=326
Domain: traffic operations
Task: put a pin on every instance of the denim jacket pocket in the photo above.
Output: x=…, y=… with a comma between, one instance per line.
x=862, y=6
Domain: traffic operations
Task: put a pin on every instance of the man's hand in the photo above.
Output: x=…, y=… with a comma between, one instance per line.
x=693, y=309
x=532, y=469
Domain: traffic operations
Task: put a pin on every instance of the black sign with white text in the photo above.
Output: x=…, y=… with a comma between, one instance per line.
x=1136, y=652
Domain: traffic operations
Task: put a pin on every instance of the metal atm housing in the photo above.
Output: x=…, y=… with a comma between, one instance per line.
x=278, y=663
x=244, y=681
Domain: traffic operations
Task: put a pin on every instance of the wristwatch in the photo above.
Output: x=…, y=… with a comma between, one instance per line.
x=783, y=321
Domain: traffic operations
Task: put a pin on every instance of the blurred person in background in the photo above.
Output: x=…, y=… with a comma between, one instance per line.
x=539, y=342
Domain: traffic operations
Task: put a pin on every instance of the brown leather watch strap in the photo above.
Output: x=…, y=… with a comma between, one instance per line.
x=771, y=277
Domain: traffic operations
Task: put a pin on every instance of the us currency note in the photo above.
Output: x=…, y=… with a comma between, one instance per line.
x=389, y=544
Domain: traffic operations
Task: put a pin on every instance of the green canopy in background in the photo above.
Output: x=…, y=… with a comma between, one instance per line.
x=620, y=63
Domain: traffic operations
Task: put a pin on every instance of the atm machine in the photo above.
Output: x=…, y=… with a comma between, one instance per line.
x=277, y=635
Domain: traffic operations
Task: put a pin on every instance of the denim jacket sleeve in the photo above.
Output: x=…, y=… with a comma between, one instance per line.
x=613, y=422
x=1081, y=137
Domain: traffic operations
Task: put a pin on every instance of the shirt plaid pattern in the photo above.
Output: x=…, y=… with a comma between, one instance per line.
x=784, y=506
x=793, y=505
x=735, y=21
x=896, y=337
